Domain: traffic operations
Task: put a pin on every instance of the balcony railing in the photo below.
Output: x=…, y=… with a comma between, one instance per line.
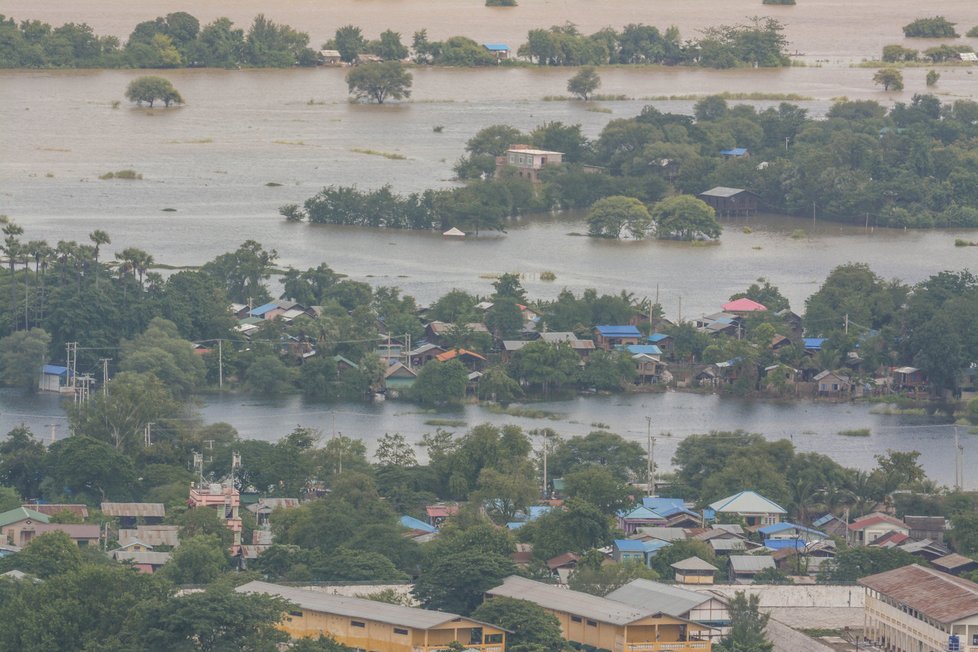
x=674, y=646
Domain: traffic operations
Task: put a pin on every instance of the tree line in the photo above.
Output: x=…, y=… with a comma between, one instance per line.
x=179, y=40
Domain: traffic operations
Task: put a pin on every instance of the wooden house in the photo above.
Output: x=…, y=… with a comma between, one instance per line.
x=730, y=202
x=833, y=384
x=908, y=379
x=694, y=570
x=609, y=336
x=742, y=568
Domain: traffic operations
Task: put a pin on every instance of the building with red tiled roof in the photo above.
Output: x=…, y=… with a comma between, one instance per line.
x=871, y=527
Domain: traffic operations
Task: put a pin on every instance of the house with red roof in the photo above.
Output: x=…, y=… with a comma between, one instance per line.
x=869, y=528
x=472, y=360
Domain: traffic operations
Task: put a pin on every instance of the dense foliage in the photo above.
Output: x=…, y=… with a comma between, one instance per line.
x=934, y=27
x=179, y=40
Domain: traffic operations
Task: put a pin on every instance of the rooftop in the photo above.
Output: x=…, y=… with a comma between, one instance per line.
x=744, y=305
x=722, y=191
x=646, y=594
x=750, y=563
x=20, y=514
x=340, y=605
x=153, y=510
x=575, y=602
x=875, y=519
x=937, y=595
x=626, y=330
x=694, y=563
x=747, y=502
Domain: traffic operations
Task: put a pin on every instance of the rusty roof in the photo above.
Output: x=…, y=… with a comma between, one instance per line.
x=154, y=510
x=51, y=509
x=939, y=596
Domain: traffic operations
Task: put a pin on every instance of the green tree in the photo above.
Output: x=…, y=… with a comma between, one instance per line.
x=152, y=89
x=685, y=217
x=764, y=293
x=22, y=462
x=390, y=48
x=394, y=450
x=584, y=83
x=964, y=533
x=580, y=527
x=747, y=625
x=607, y=577
x=243, y=272
x=22, y=355
x=439, y=383
x=268, y=374
x=120, y=415
x=622, y=458
x=889, y=79
x=379, y=81
x=935, y=27
x=598, y=486
x=610, y=216
x=678, y=551
x=349, y=42
x=159, y=350
x=549, y=366
x=88, y=470
x=608, y=370
x=203, y=524
x=932, y=77
x=200, y=559
x=532, y=628
x=47, y=555
x=350, y=565
x=457, y=581
x=850, y=565
x=497, y=385
x=503, y=495
x=9, y=499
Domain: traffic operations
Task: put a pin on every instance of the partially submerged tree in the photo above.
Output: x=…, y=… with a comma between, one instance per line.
x=585, y=82
x=379, y=81
x=889, y=79
x=152, y=89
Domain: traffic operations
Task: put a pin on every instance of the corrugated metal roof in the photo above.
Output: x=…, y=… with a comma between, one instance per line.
x=939, y=596
x=412, y=523
x=21, y=513
x=150, y=557
x=953, y=561
x=56, y=508
x=340, y=605
x=722, y=191
x=750, y=563
x=155, y=535
x=630, y=545
x=610, y=330
x=646, y=594
x=744, y=305
x=496, y=47
x=694, y=563
x=549, y=596
x=875, y=519
x=747, y=502
x=152, y=510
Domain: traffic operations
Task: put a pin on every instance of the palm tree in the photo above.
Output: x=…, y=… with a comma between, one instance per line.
x=40, y=251
x=12, y=247
x=99, y=238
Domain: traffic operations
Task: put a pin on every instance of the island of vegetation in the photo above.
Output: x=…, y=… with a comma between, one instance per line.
x=178, y=40
x=862, y=164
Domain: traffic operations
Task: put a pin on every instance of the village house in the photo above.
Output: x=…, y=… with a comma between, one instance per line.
x=741, y=569
x=599, y=623
x=498, y=50
x=19, y=526
x=54, y=378
x=152, y=536
x=914, y=608
x=954, y=564
x=789, y=535
x=649, y=369
x=926, y=527
x=730, y=202
x=719, y=323
x=755, y=509
x=608, y=337
x=424, y=354
x=53, y=509
x=377, y=626
x=663, y=341
x=832, y=384
x=145, y=561
x=869, y=528
x=743, y=307
x=703, y=608
x=437, y=332
x=399, y=377
x=130, y=514
x=908, y=379
x=640, y=550
x=694, y=570
x=330, y=57
x=439, y=513
x=265, y=506
x=470, y=359
x=527, y=161
x=832, y=525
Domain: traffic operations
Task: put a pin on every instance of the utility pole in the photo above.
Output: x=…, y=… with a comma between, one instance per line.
x=220, y=364
x=958, y=461
x=546, y=445
x=148, y=434
x=649, y=463
x=847, y=323
x=105, y=375
x=407, y=344
x=53, y=427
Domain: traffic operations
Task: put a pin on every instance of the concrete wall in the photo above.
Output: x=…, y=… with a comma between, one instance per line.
x=786, y=639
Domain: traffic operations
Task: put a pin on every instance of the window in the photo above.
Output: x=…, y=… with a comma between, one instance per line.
x=401, y=631
x=576, y=619
x=494, y=638
x=591, y=623
x=297, y=614
x=357, y=623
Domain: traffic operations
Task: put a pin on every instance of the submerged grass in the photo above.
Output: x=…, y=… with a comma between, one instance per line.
x=856, y=432
x=525, y=413
x=783, y=97
x=393, y=156
x=129, y=175
x=448, y=423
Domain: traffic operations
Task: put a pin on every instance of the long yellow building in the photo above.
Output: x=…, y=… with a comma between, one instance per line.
x=607, y=625
x=371, y=626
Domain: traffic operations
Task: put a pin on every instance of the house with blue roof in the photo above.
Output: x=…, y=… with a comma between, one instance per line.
x=778, y=536
x=625, y=550
x=661, y=340
x=752, y=507
x=498, y=50
x=813, y=345
x=609, y=336
x=412, y=523
x=630, y=520
x=735, y=152
x=645, y=349
x=53, y=378
x=268, y=310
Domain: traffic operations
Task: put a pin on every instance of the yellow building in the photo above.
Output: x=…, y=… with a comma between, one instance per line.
x=604, y=624
x=370, y=626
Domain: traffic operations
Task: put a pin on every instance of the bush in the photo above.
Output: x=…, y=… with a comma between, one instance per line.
x=936, y=27
x=778, y=2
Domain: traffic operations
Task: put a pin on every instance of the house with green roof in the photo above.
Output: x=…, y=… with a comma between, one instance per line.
x=17, y=525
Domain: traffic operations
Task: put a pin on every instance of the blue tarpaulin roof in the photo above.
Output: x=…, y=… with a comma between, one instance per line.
x=734, y=151
x=618, y=331
x=647, y=349
x=630, y=545
x=496, y=47
x=657, y=337
x=779, y=544
x=261, y=310
x=781, y=527
x=813, y=343
x=412, y=523
x=54, y=370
